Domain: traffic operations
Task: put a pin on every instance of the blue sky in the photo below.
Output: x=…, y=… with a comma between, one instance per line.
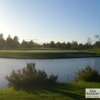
x=46, y=20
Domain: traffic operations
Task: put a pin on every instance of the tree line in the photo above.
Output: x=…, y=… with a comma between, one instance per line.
x=13, y=43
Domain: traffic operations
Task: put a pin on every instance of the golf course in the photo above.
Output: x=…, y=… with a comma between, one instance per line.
x=62, y=91
x=47, y=54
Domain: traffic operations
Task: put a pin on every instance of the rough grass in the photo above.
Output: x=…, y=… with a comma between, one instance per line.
x=62, y=91
x=44, y=54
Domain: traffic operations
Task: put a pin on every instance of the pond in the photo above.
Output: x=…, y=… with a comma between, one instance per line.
x=64, y=68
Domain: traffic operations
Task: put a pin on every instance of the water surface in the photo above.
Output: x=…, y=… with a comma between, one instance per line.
x=64, y=68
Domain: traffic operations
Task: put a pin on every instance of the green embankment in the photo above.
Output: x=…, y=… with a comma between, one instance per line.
x=45, y=54
x=63, y=91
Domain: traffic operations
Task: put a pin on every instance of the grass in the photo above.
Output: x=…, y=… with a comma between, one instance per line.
x=62, y=91
x=45, y=54
x=97, y=50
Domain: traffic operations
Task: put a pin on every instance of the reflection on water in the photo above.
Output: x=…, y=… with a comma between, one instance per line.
x=64, y=68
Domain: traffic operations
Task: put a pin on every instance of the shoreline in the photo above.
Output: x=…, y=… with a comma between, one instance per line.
x=46, y=55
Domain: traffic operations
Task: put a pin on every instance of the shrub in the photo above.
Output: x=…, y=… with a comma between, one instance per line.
x=29, y=76
x=88, y=74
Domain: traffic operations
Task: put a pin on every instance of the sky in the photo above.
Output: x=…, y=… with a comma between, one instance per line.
x=47, y=20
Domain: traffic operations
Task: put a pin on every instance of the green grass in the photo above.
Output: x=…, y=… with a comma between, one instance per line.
x=40, y=51
x=63, y=91
x=96, y=51
x=45, y=54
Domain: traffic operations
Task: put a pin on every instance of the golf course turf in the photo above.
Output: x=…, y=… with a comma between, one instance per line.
x=61, y=91
x=45, y=54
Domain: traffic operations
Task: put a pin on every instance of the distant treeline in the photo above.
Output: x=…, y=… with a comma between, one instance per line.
x=13, y=43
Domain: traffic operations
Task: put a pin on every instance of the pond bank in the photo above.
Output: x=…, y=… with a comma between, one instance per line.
x=45, y=55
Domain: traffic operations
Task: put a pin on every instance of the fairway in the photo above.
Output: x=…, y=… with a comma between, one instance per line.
x=45, y=54
x=62, y=91
x=39, y=51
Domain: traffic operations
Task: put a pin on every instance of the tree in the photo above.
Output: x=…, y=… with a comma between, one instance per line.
x=24, y=44
x=97, y=37
x=68, y=45
x=29, y=77
x=89, y=41
x=88, y=74
x=31, y=44
x=58, y=45
x=44, y=45
x=63, y=45
x=15, y=42
x=88, y=44
x=2, y=41
x=80, y=46
x=97, y=44
x=9, y=42
x=52, y=44
x=74, y=45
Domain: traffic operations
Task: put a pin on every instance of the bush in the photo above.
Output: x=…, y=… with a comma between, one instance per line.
x=88, y=74
x=29, y=76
